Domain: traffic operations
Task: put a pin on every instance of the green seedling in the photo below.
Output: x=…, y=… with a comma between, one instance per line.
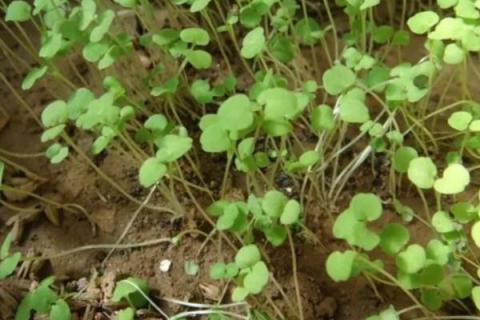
x=43, y=301
x=172, y=144
x=8, y=261
x=272, y=215
x=132, y=290
x=249, y=272
x=253, y=43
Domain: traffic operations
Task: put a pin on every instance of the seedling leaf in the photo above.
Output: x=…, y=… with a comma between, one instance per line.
x=273, y=203
x=412, y=259
x=337, y=79
x=422, y=22
x=257, y=278
x=199, y=5
x=33, y=76
x=60, y=310
x=422, y=172
x=454, y=180
x=18, y=11
x=247, y=256
x=366, y=206
x=340, y=264
x=8, y=265
x=291, y=213
x=197, y=36
x=253, y=43
x=393, y=238
x=151, y=171
x=126, y=314
x=460, y=120
x=125, y=290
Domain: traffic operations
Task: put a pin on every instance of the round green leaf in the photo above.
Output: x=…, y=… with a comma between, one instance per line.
x=246, y=148
x=460, y=120
x=281, y=48
x=273, y=203
x=217, y=271
x=199, y=5
x=454, y=180
x=454, y=54
x=215, y=139
x=18, y=11
x=309, y=31
x=156, y=122
x=366, y=206
x=432, y=299
x=171, y=147
x=422, y=172
x=339, y=265
x=257, y=278
x=125, y=314
x=353, y=110
x=94, y=51
x=462, y=285
x=201, y=91
x=253, y=43
x=199, y=59
x=57, y=153
x=128, y=290
x=78, y=103
x=291, y=213
x=422, y=22
x=442, y=222
x=60, y=311
x=393, y=238
x=438, y=252
x=474, y=126
x=275, y=234
x=362, y=237
x=252, y=13
x=235, y=113
x=52, y=133
x=309, y=158
x=279, y=103
x=448, y=29
x=464, y=212
x=322, y=118
x=9, y=264
x=151, y=171
x=166, y=37
x=412, y=259
x=197, y=36
x=402, y=158
x=239, y=294
x=432, y=274
x=228, y=218
x=337, y=79
x=247, y=256
x=344, y=224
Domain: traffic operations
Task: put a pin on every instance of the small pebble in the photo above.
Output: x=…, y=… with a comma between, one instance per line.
x=165, y=265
